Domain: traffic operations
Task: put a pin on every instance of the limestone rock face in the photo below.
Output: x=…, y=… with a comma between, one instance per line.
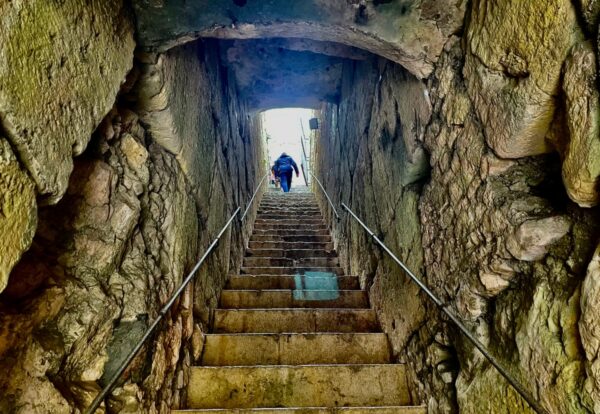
x=581, y=151
x=491, y=230
x=590, y=9
x=515, y=52
x=61, y=66
x=501, y=242
x=533, y=238
x=107, y=257
x=18, y=211
x=590, y=328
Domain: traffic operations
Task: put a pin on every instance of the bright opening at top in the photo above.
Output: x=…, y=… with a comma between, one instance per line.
x=284, y=131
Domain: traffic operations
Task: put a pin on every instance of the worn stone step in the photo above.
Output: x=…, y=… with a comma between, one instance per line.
x=291, y=201
x=312, y=207
x=293, y=238
x=281, y=196
x=288, y=270
x=313, y=410
x=288, y=298
x=295, y=349
x=304, y=227
x=292, y=282
x=287, y=262
x=291, y=231
x=301, y=213
x=298, y=386
x=290, y=253
x=288, y=227
x=294, y=320
x=292, y=206
x=291, y=216
x=289, y=221
x=252, y=244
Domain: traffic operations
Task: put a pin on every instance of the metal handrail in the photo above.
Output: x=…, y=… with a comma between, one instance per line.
x=337, y=216
x=253, y=196
x=446, y=309
x=136, y=349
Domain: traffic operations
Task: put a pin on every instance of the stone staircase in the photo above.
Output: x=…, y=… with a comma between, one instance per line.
x=293, y=334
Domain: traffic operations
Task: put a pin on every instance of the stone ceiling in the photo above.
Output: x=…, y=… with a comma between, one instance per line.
x=290, y=53
x=409, y=32
x=273, y=73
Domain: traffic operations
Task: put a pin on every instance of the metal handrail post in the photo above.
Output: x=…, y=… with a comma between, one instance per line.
x=503, y=371
x=337, y=216
x=253, y=196
x=111, y=384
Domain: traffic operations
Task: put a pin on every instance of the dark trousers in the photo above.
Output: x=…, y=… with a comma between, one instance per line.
x=286, y=181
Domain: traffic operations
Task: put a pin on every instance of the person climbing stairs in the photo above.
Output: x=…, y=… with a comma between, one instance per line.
x=293, y=333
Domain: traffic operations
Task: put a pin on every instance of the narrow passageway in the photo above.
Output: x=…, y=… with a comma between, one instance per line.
x=443, y=258
x=292, y=330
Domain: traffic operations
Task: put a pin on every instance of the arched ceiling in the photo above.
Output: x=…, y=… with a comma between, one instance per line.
x=409, y=32
x=285, y=53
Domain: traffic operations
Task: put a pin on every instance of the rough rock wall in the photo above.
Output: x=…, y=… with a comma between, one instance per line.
x=369, y=155
x=61, y=66
x=132, y=224
x=503, y=222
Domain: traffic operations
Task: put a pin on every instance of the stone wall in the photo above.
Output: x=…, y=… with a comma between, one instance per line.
x=501, y=227
x=61, y=66
x=369, y=154
x=168, y=165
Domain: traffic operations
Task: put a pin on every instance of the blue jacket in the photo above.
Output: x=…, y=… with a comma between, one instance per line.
x=284, y=164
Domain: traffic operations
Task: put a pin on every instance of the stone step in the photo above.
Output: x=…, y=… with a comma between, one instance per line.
x=294, y=201
x=295, y=349
x=288, y=227
x=294, y=320
x=294, y=238
x=281, y=196
x=293, y=205
x=291, y=231
x=287, y=298
x=254, y=261
x=290, y=253
x=298, y=386
x=287, y=246
x=313, y=410
x=289, y=221
x=288, y=270
x=292, y=282
x=289, y=216
x=301, y=213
